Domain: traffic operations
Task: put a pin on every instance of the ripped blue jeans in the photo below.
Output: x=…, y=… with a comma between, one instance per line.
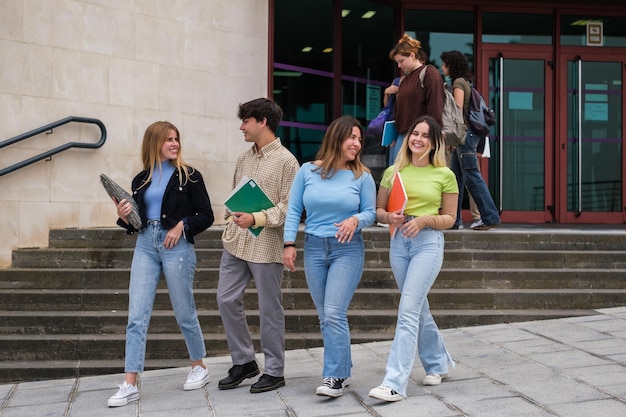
x=178, y=264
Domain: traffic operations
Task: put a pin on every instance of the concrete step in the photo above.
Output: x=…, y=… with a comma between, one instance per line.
x=374, y=258
x=299, y=298
x=64, y=308
x=159, y=346
x=296, y=321
x=163, y=321
x=117, y=278
x=509, y=237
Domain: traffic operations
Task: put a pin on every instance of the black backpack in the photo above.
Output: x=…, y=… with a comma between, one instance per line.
x=480, y=117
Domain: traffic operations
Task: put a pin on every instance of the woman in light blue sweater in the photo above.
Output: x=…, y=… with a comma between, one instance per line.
x=339, y=195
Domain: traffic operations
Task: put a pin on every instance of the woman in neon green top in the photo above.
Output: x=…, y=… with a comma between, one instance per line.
x=416, y=254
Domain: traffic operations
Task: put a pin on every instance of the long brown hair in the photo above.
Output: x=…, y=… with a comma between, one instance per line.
x=330, y=153
x=153, y=139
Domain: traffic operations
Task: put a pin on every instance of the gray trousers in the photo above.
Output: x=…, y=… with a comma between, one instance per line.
x=235, y=274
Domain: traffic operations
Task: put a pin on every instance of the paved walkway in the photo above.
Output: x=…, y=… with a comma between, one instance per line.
x=572, y=367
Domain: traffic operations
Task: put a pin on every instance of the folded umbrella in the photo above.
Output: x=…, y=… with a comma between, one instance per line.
x=117, y=192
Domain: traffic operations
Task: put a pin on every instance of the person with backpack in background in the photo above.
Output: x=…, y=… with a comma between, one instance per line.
x=414, y=98
x=482, y=151
x=464, y=161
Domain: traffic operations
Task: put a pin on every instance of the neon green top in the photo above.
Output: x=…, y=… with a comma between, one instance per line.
x=424, y=187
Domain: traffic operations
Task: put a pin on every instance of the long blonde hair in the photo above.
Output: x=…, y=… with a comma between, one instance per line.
x=153, y=139
x=437, y=154
x=330, y=153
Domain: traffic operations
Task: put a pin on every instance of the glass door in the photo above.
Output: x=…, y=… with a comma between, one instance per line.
x=591, y=178
x=522, y=141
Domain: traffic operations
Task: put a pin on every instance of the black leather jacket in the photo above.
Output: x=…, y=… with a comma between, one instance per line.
x=190, y=201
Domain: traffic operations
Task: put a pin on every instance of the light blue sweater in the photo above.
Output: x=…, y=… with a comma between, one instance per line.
x=329, y=201
x=154, y=194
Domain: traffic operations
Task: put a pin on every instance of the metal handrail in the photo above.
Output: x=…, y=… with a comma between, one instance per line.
x=42, y=129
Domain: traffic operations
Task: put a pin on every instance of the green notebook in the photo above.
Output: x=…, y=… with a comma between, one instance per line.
x=248, y=197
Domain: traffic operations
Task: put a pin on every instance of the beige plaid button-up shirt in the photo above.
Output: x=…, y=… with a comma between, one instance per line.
x=273, y=168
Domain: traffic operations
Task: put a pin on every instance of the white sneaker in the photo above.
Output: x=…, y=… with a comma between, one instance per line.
x=433, y=379
x=384, y=393
x=333, y=387
x=197, y=378
x=126, y=394
x=476, y=223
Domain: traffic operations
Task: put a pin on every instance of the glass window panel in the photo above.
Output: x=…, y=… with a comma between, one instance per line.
x=441, y=31
x=304, y=24
x=574, y=30
x=594, y=133
x=518, y=28
x=303, y=72
x=523, y=133
x=305, y=97
x=367, y=41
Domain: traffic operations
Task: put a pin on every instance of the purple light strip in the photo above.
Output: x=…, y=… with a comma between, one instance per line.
x=542, y=139
x=328, y=74
x=303, y=125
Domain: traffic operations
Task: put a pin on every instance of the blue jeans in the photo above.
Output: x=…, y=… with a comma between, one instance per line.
x=464, y=163
x=333, y=271
x=178, y=264
x=415, y=263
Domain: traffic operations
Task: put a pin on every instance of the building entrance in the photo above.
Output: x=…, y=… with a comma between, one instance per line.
x=557, y=148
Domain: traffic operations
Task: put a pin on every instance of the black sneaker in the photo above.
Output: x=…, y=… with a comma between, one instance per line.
x=237, y=374
x=333, y=387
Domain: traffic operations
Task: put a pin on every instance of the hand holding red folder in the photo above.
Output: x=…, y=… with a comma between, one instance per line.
x=397, y=199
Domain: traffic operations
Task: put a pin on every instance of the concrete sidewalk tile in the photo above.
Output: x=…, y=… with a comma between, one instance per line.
x=467, y=391
x=311, y=405
x=185, y=412
x=565, y=332
x=603, y=347
x=94, y=404
x=498, y=407
x=536, y=345
x=526, y=372
x=46, y=409
x=108, y=383
x=607, y=407
x=618, y=391
x=5, y=391
x=48, y=393
x=559, y=390
x=605, y=326
x=568, y=359
x=600, y=376
x=421, y=406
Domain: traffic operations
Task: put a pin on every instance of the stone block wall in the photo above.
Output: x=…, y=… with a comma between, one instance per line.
x=127, y=63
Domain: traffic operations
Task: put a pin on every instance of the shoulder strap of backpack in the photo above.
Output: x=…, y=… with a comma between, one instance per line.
x=423, y=74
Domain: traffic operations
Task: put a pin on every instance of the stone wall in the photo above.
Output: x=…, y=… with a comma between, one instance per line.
x=127, y=63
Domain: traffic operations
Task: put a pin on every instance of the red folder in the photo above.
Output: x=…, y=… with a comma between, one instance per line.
x=397, y=199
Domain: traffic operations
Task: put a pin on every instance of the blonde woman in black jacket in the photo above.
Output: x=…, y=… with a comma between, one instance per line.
x=174, y=206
